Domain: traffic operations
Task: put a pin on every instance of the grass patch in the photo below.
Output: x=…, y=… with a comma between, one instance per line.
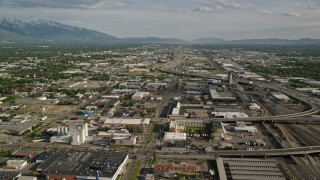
x=119, y=177
x=135, y=171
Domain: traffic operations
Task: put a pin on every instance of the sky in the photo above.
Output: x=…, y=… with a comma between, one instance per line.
x=184, y=19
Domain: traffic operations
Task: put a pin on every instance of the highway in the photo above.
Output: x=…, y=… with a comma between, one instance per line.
x=261, y=153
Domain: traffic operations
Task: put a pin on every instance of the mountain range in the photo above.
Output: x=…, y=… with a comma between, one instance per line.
x=15, y=30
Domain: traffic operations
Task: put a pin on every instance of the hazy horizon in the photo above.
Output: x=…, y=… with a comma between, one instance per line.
x=183, y=19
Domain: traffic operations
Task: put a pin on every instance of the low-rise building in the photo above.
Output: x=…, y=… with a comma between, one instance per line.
x=280, y=96
x=174, y=141
x=120, y=137
x=124, y=122
x=245, y=168
x=138, y=96
x=16, y=164
x=74, y=164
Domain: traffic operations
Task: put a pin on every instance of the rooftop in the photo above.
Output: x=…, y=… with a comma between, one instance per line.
x=121, y=121
x=171, y=136
x=82, y=163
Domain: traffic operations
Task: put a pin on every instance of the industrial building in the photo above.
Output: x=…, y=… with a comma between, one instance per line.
x=279, y=96
x=82, y=164
x=182, y=111
x=221, y=96
x=246, y=169
x=242, y=127
x=120, y=137
x=75, y=135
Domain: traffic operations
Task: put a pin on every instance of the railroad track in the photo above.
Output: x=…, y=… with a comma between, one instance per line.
x=305, y=169
x=301, y=136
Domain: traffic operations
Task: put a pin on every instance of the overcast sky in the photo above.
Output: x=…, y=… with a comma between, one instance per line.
x=185, y=19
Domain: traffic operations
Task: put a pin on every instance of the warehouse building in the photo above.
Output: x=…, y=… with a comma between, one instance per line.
x=82, y=164
x=246, y=169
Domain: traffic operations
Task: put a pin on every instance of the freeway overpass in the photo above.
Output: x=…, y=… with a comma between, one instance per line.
x=242, y=153
x=314, y=106
x=268, y=118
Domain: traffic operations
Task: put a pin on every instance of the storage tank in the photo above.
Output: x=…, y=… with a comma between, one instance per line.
x=58, y=131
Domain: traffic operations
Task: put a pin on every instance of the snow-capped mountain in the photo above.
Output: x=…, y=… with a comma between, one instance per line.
x=51, y=31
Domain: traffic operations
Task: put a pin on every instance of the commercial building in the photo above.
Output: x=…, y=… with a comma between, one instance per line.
x=82, y=164
x=246, y=169
x=174, y=141
x=181, y=124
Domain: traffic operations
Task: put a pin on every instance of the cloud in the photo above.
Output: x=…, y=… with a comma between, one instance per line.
x=67, y=4
x=230, y=4
x=296, y=14
x=265, y=12
x=207, y=9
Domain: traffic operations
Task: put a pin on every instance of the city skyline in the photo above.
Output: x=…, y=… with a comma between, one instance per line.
x=188, y=20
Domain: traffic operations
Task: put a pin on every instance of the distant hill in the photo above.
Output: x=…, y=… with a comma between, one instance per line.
x=44, y=30
x=15, y=30
x=305, y=41
x=140, y=40
x=215, y=41
x=208, y=41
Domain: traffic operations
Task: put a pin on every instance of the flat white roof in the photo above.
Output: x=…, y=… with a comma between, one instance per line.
x=120, y=121
x=175, y=111
x=246, y=128
x=171, y=136
x=231, y=114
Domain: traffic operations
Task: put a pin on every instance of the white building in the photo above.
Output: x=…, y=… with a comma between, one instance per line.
x=254, y=106
x=229, y=115
x=249, y=129
x=172, y=136
x=123, y=122
x=75, y=135
x=280, y=96
x=139, y=95
x=181, y=124
x=174, y=141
